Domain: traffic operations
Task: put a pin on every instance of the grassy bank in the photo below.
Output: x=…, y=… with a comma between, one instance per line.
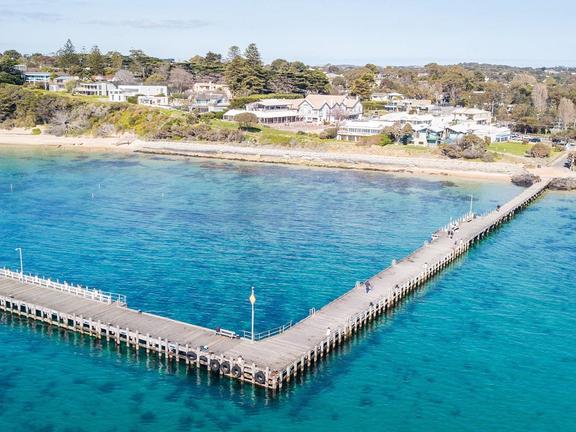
x=65, y=115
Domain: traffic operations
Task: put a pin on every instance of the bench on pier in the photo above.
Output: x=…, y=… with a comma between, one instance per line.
x=228, y=333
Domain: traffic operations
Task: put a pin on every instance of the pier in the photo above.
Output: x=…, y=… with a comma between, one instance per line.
x=281, y=356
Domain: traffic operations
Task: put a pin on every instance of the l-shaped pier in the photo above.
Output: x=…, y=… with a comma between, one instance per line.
x=271, y=362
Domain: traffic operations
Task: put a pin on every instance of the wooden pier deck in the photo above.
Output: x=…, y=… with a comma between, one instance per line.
x=270, y=362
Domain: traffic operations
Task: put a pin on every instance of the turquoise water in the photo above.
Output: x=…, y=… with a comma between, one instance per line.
x=488, y=345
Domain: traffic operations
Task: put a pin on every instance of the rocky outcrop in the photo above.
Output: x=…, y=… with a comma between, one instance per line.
x=525, y=179
x=564, y=184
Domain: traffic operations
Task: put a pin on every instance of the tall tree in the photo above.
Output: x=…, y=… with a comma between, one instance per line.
x=233, y=52
x=253, y=55
x=68, y=59
x=566, y=112
x=363, y=85
x=540, y=97
x=96, y=61
x=124, y=76
x=180, y=79
x=8, y=73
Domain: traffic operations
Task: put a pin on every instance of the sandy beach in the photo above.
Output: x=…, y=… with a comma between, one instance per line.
x=293, y=156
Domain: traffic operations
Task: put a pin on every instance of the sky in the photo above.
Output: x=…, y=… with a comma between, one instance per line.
x=383, y=32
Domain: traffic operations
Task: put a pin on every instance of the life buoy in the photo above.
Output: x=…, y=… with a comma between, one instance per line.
x=225, y=367
x=236, y=371
x=214, y=365
x=260, y=377
x=191, y=355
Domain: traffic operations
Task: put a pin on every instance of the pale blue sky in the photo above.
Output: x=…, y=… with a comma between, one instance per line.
x=384, y=32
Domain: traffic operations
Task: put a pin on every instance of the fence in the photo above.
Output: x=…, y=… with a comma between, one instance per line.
x=267, y=333
x=88, y=293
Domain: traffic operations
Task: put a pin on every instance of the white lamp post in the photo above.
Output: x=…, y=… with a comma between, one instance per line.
x=21, y=263
x=252, y=301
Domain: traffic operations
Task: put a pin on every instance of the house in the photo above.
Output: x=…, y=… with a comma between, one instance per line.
x=330, y=108
x=211, y=87
x=312, y=109
x=155, y=101
x=274, y=104
x=416, y=105
x=59, y=83
x=101, y=88
x=267, y=117
x=123, y=92
x=475, y=115
x=386, y=97
x=37, y=77
x=456, y=132
x=355, y=130
x=210, y=102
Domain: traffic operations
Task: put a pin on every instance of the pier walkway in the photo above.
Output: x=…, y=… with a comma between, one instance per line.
x=270, y=362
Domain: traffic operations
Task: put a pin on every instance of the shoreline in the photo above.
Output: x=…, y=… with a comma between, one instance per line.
x=419, y=166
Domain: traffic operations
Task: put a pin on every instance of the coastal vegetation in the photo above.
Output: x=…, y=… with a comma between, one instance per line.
x=63, y=114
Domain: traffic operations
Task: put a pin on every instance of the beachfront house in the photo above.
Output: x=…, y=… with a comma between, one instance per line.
x=330, y=108
x=209, y=102
x=123, y=92
x=101, y=88
x=153, y=101
x=59, y=83
x=454, y=133
x=311, y=109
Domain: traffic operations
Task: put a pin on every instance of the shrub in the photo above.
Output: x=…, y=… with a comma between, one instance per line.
x=246, y=120
x=36, y=131
x=539, y=150
x=381, y=140
x=329, y=133
x=469, y=147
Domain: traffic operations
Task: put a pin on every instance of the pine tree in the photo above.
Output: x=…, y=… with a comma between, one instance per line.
x=253, y=55
x=68, y=59
x=96, y=61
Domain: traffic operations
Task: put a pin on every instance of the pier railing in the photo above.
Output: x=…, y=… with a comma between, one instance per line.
x=85, y=292
x=267, y=333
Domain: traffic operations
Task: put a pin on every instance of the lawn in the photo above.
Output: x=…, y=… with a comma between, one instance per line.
x=510, y=147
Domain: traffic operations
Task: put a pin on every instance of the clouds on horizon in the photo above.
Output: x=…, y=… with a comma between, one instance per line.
x=145, y=23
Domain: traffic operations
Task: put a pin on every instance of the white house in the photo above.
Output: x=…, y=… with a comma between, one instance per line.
x=209, y=87
x=267, y=117
x=330, y=108
x=94, y=89
x=386, y=97
x=210, y=102
x=495, y=134
x=156, y=101
x=123, y=92
x=59, y=83
x=474, y=115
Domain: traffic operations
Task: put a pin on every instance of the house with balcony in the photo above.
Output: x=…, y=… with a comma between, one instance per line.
x=123, y=92
x=473, y=115
x=101, y=88
x=209, y=102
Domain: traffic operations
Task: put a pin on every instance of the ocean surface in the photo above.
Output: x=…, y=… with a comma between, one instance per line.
x=489, y=345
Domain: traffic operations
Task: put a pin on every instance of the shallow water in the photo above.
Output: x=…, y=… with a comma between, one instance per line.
x=488, y=345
